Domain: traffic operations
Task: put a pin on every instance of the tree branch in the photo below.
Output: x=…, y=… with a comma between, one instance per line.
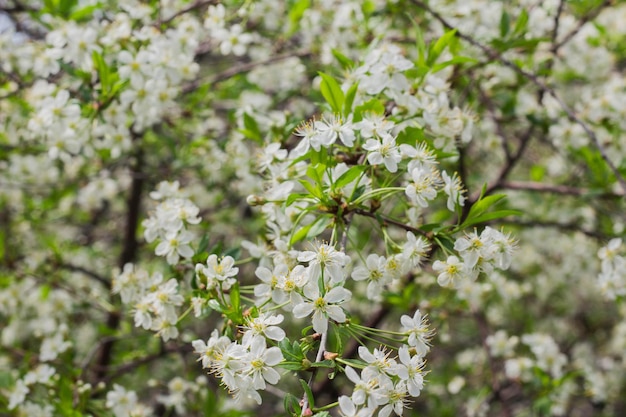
x=552, y=188
x=197, y=5
x=128, y=254
x=224, y=75
x=388, y=220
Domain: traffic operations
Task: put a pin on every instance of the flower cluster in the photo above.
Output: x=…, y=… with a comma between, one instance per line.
x=381, y=147
x=154, y=301
x=169, y=223
x=246, y=367
x=612, y=279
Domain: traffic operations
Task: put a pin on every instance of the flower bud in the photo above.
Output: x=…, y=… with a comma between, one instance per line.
x=255, y=200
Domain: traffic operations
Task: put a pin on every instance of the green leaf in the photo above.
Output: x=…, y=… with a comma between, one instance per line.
x=291, y=352
x=327, y=363
x=312, y=189
x=521, y=23
x=311, y=230
x=295, y=197
x=66, y=6
x=235, y=301
x=350, y=95
x=332, y=92
x=103, y=72
x=355, y=363
x=505, y=24
x=437, y=48
x=421, y=45
x=520, y=43
x=292, y=405
x=494, y=215
x=251, y=130
x=368, y=7
x=84, y=13
x=454, y=61
x=318, y=226
x=344, y=61
x=300, y=234
x=537, y=172
x=349, y=176
x=316, y=172
x=6, y=379
x=308, y=392
x=296, y=11
x=371, y=106
x=484, y=204
x=204, y=244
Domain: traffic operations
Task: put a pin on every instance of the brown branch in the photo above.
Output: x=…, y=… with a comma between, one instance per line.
x=494, y=55
x=506, y=169
x=555, y=30
x=553, y=188
x=386, y=220
x=496, y=388
x=224, y=75
x=127, y=367
x=84, y=271
x=567, y=227
x=128, y=254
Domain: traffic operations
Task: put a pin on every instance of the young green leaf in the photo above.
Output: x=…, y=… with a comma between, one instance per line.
x=350, y=95
x=349, y=176
x=332, y=92
x=437, y=48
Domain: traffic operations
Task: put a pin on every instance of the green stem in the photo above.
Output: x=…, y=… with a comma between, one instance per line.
x=326, y=407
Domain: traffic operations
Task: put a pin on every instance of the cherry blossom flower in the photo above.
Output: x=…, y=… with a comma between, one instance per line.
x=323, y=307
x=326, y=260
x=259, y=363
x=386, y=152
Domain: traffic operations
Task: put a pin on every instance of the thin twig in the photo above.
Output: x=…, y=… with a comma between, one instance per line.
x=553, y=189
x=318, y=358
x=567, y=227
x=239, y=69
x=84, y=271
x=192, y=7
x=388, y=220
x=582, y=22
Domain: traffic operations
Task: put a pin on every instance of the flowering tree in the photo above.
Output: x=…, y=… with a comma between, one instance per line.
x=355, y=208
